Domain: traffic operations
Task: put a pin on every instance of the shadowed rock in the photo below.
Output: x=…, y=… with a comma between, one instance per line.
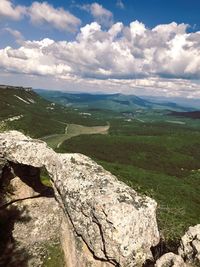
x=105, y=217
x=190, y=245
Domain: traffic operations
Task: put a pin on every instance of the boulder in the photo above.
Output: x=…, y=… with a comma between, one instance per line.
x=33, y=228
x=170, y=260
x=190, y=245
x=20, y=190
x=2, y=164
x=107, y=218
x=38, y=229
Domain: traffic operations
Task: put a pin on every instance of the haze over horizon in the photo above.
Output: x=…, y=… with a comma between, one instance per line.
x=124, y=46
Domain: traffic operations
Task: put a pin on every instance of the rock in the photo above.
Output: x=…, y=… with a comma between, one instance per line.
x=21, y=190
x=39, y=228
x=33, y=225
x=107, y=217
x=170, y=260
x=36, y=227
x=190, y=245
x=71, y=243
x=2, y=164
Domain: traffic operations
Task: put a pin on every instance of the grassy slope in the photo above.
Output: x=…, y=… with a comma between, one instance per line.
x=39, y=118
x=161, y=160
x=192, y=114
x=71, y=130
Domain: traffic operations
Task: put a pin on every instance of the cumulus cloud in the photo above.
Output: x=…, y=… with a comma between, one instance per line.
x=102, y=15
x=16, y=53
x=44, y=13
x=8, y=10
x=166, y=57
x=41, y=13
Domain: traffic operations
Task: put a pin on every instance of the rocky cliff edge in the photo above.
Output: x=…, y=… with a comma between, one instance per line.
x=115, y=223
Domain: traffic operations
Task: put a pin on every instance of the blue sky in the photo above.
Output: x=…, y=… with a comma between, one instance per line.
x=130, y=46
x=150, y=12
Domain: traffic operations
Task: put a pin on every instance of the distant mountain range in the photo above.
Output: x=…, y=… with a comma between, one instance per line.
x=113, y=102
x=181, y=101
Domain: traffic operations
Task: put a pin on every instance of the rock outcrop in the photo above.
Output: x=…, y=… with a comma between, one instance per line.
x=106, y=221
x=2, y=164
x=39, y=228
x=170, y=260
x=190, y=245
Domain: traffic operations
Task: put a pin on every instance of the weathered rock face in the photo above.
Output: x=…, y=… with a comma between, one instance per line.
x=111, y=220
x=170, y=260
x=39, y=228
x=75, y=251
x=190, y=245
x=2, y=164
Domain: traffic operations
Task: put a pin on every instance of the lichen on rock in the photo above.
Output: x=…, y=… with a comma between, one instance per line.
x=170, y=260
x=190, y=245
x=114, y=222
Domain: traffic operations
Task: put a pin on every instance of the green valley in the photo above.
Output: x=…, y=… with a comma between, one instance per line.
x=154, y=148
x=161, y=160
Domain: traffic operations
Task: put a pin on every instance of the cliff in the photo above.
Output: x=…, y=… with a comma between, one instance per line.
x=105, y=222
x=112, y=221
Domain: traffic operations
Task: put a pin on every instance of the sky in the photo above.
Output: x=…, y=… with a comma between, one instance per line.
x=144, y=47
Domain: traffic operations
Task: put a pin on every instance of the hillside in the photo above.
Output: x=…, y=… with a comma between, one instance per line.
x=193, y=103
x=143, y=146
x=23, y=109
x=113, y=102
x=191, y=114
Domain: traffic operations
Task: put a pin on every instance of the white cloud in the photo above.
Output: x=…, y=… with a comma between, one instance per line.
x=8, y=10
x=16, y=53
x=102, y=15
x=120, y=4
x=165, y=59
x=16, y=34
x=40, y=13
x=44, y=13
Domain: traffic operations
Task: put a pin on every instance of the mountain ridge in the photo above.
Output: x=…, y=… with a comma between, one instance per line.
x=113, y=102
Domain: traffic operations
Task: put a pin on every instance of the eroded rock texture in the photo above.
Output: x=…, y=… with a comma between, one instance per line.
x=106, y=218
x=170, y=260
x=2, y=164
x=190, y=245
x=38, y=228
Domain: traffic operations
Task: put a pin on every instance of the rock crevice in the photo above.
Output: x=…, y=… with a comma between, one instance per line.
x=108, y=220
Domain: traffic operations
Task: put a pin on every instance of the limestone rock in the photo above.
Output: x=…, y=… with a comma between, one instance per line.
x=2, y=164
x=115, y=223
x=170, y=260
x=71, y=244
x=21, y=190
x=35, y=227
x=190, y=245
x=39, y=228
